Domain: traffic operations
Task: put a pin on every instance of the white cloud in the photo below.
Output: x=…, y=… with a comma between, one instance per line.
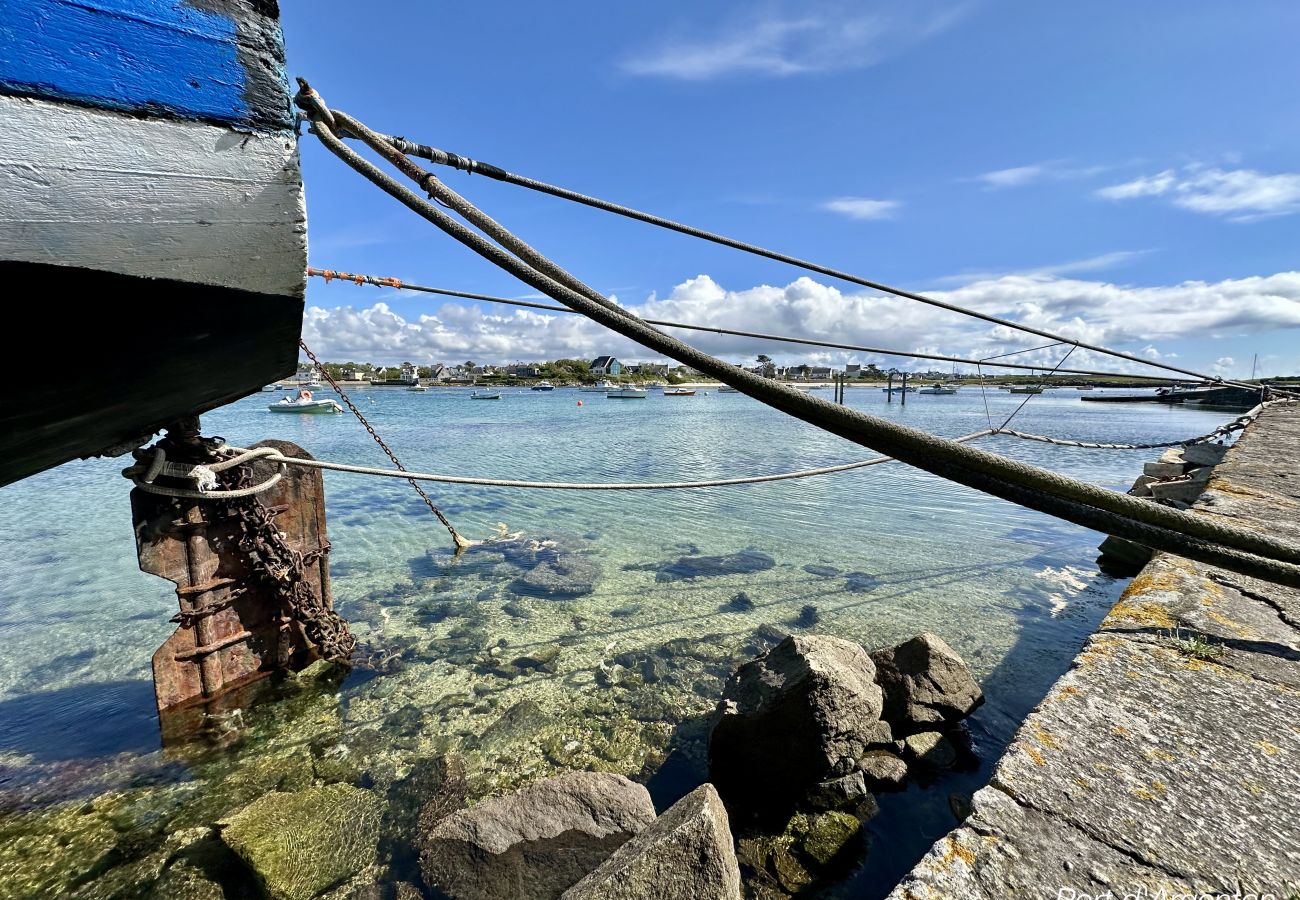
x=862, y=207
x=1052, y=170
x=1098, y=263
x=1241, y=194
x=787, y=39
x=1093, y=311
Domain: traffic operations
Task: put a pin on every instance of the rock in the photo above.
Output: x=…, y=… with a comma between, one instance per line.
x=822, y=571
x=1122, y=558
x=544, y=658
x=883, y=771
x=808, y=616
x=534, y=844
x=183, y=881
x=1163, y=469
x=520, y=720
x=739, y=603
x=301, y=844
x=769, y=635
x=860, y=582
x=847, y=792
x=1141, y=487
x=517, y=610
x=931, y=749
x=741, y=563
x=627, y=610
x=687, y=854
x=926, y=684
x=824, y=836
x=806, y=711
x=1204, y=454
x=565, y=577
x=960, y=804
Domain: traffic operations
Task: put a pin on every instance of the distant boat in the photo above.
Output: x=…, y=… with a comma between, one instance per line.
x=628, y=393
x=1084, y=387
x=417, y=387
x=1026, y=389
x=727, y=390
x=599, y=387
x=937, y=388
x=305, y=405
x=270, y=387
x=485, y=395
x=679, y=392
x=898, y=390
x=543, y=386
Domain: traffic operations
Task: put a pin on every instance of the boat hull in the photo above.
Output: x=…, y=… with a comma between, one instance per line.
x=152, y=196
x=164, y=360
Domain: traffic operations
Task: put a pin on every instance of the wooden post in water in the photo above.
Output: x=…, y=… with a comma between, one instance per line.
x=904, y=394
x=234, y=628
x=889, y=391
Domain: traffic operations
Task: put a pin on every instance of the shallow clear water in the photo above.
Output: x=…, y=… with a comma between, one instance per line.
x=1015, y=592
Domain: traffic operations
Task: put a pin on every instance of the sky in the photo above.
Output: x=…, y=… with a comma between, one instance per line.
x=1127, y=174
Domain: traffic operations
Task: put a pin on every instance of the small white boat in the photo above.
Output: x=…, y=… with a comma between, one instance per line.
x=305, y=405
x=543, y=386
x=898, y=390
x=628, y=393
x=485, y=395
x=937, y=388
x=599, y=387
x=270, y=388
x=416, y=387
x=679, y=392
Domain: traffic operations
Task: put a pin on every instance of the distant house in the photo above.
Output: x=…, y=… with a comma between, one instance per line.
x=853, y=370
x=605, y=365
x=523, y=370
x=820, y=373
x=439, y=372
x=410, y=374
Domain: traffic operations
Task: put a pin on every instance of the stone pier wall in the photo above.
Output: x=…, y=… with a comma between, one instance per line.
x=1166, y=762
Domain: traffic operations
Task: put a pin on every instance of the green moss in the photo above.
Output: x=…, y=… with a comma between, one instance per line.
x=304, y=843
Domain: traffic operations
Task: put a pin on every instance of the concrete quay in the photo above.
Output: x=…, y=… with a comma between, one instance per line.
x=1166, y=762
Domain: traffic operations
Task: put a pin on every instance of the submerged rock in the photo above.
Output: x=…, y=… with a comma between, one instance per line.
x=686, y=854
x=801, y=714
x=808, y=616
x=566, y=576
x=543, y=659
x=821, y=571
x=930, y=748
x=739, y=603
x=860, y=582
x=847, y=792
x=810, y=847
x=740, y=563
x=534, y=844
x=926, y=684
x=883, y=771
x=304, y=843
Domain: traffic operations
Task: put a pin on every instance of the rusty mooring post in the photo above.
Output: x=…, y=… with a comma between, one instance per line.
x=251, y=575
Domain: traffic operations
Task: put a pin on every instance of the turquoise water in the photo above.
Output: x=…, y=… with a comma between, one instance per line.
x=1014, y=591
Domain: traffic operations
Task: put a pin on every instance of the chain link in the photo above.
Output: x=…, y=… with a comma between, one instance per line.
x=461, y=543
x=285, y=569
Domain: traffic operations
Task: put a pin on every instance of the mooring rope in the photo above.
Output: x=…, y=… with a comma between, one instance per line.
x=472, y=166
x=1222, y=431
x=397, y=283
x=1203, y=538
x=595, y=486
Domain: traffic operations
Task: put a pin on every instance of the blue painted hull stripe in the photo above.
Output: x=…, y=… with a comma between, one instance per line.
x=153, y=56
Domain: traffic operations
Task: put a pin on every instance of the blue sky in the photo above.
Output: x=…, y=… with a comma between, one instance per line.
x=1128, y=173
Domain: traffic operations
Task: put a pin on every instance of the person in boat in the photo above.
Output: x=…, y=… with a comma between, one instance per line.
x=304, y=396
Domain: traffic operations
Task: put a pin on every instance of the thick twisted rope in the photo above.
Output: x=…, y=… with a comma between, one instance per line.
x=472, y=166
x=1160, y=527
x=1219, y=433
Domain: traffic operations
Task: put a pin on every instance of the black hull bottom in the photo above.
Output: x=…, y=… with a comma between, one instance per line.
x=121, y=357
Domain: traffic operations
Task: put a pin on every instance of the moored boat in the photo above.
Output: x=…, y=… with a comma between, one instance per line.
x=679, y=392
x=727, y=389
x=599, y=387
x=485, y=395
x=305, y=405
x=148, y=152
x=938, y=388
x=417, y=387
x=1026, y=389
x=628, y=393
x=543, y=386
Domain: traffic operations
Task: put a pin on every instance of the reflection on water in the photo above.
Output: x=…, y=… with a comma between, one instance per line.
x=598, y=639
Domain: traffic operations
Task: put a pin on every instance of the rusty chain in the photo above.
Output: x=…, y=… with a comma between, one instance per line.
x=461, y=543
x=273, y=561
